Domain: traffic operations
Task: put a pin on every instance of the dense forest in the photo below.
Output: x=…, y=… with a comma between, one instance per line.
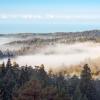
x=34, y=83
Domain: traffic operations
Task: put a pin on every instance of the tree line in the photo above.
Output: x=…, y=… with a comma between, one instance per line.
x=34, y=83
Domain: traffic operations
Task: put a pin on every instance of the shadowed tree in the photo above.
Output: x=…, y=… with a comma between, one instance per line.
x=8, y=63
x=86, y=84
x=84, y=98
x=77, y=94
x=30, y=91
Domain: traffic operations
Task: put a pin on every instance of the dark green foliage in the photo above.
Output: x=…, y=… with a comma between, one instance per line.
x=84, y=98
x=8, y=63
x=42, y=75
x=73, y=84
x=86, y=84
x=77, y=94
x=27, y=83
x=23, y=76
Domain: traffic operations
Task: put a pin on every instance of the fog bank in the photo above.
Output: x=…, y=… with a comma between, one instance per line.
x=61, y=55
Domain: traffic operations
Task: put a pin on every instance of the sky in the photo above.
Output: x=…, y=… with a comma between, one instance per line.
x=43, y=16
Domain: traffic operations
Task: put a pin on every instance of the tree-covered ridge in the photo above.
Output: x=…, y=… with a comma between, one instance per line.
x=28, y=83
x=26, y=43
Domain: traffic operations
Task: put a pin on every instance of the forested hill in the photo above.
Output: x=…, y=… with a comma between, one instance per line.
x=90, y=33
x=30, y=43
x=28, y=83
x=58, y=37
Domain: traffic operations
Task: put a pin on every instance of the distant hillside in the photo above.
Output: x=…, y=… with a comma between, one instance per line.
x=59, y=37
x=25, y=43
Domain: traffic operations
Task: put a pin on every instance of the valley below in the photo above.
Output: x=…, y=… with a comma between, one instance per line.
x=57, y=51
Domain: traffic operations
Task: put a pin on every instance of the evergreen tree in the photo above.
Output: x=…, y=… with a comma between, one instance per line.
x=3, y=65
x=23, y=77
x=9, y=83
x=73, y=84
x=84, y=98
x=1, y=90
x=8, y=63
x=62, y=87
x=2, y=70
x=86, y=84
x=42, y=75
x=77, y=94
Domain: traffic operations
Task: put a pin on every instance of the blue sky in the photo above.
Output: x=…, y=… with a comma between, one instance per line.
x=49, y=15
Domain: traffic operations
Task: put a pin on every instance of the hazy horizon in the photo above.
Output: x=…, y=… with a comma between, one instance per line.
x=49, y=32
x=22, y=16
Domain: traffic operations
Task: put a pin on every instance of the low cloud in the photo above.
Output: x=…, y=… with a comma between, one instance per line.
x=60, y=56
x=54, y=17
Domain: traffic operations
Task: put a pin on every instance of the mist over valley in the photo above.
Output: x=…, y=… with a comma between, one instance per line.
x=55, y=51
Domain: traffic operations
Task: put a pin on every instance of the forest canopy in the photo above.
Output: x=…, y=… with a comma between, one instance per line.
x=28, y=83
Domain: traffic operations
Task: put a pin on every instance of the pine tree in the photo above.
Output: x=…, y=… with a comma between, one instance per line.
x=2, y=70
x=84, y=98
x=77, y=94
x=3, y=65
x=8, y=63
x=1, y=90
x=42, y=75
x=86, y=84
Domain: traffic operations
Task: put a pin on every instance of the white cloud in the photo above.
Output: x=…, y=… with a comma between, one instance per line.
x=50, y=17
x=3, y=16
x=20, y=16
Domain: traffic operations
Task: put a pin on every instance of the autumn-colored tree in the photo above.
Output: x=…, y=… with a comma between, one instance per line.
x=49, y=93
x=30, y=91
